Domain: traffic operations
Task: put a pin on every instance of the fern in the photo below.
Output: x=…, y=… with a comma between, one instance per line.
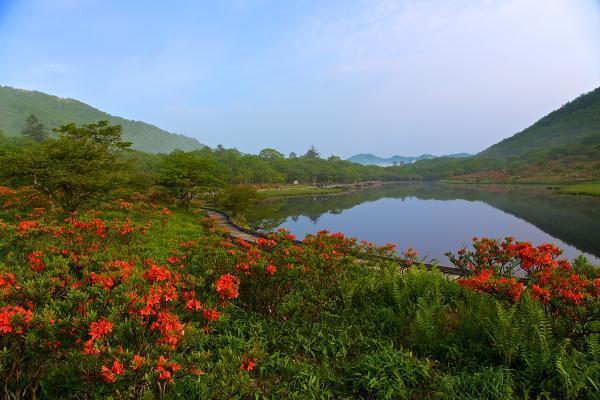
x=506, y=332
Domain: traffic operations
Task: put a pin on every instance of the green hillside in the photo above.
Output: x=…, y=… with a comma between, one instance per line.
x=17, y=104
x=575, y=122
x=563, y=147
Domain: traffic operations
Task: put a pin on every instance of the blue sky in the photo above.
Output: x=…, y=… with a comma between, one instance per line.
x=386, y=77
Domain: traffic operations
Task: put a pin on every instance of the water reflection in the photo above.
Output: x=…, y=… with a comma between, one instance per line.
x=435, y=218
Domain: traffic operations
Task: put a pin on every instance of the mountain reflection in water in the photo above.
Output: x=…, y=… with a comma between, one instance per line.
x=434, y=218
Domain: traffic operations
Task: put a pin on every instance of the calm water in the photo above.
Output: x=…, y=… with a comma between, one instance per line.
x=436, y=218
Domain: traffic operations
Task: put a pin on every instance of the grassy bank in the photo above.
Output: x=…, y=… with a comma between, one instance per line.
x=139, y=300
x=297, y=190
x=591, y=189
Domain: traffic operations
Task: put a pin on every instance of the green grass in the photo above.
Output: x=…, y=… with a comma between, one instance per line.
x=591, y=189
x=298, y=191
x=368, y=331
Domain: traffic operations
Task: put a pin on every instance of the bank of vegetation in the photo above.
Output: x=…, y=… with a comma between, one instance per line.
x=113, y=284
x=590, y=189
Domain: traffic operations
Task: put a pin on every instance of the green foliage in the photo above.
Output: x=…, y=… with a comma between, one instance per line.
x=320, y=324
x=76, y=168
x=564, y=146
x=237, y=199
x=591, y=189
x=576, y=120
x=312, y=152
x=187, y=175
x=487, y=383
x=34, y=129
x=388, y=373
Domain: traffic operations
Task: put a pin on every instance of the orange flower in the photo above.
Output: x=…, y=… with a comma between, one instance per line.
x=107, y=374
x=211, y=314
x=227, y=286
x=35, y=259
x=138, y=361
x=117, y=367
x=99, y=328
x=248, y=364
x=169, y=326
x=271, y=269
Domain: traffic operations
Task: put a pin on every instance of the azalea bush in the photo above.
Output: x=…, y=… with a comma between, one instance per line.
x=84, y=292
x=139, y=299
x=80, y=293
x=567, y=296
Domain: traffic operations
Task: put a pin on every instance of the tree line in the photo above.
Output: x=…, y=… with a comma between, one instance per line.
x=81, y=164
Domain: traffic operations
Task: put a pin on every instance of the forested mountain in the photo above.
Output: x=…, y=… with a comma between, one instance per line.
x=371, y=159
x=17, y=104
x=564, y=146
x=575, y=122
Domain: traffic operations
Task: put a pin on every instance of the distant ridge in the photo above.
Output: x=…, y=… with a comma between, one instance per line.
x=371, y=159
x=578, y=121
x=17, y=104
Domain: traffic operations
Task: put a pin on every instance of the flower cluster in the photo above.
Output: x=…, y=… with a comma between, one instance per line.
x=15, y=319
x=552, y=281
x=227, y=286
x=103, y=303
x=486, y=281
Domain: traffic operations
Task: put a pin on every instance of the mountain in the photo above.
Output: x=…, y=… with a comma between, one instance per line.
x=370, y=159
x=17, y=104
x=562, y=147
x=576, y=121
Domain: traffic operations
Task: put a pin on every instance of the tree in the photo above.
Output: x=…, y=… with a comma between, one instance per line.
x=34, y=129
x=187, y=175
x=270, y=154
x=76, y=168
x=312, y=153
x=293, y=155
x=238, y=199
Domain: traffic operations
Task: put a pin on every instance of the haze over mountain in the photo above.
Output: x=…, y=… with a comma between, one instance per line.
x=576, y=121
x=371, y=159
x=17, y=104
x=349, y=76
x=562, y=146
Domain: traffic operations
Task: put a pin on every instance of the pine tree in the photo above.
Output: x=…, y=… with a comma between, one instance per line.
x=34, y=129
x=312, y=153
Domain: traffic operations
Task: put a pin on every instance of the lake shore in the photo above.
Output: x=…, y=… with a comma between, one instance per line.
x=589, y=189
x=288, y=190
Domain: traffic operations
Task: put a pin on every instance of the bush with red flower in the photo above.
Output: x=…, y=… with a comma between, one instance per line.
x=564, y=293
x=81, y=296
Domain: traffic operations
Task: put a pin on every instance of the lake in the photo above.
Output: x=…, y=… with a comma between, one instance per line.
x=435, y=218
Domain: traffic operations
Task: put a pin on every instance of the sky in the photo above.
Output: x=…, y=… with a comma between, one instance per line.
x=386, y=77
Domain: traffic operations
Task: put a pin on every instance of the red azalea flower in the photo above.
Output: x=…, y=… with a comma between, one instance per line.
x=271, y=269
x=107, y=374
x=100, y=328
x=248, y=364
x=211, y=314
x=227, y=286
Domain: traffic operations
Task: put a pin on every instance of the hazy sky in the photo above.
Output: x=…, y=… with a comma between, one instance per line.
x=386, y=77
